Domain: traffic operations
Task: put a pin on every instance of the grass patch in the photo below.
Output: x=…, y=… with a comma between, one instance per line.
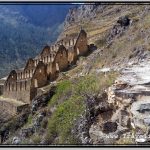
x=63, y=119
x=100, y=42
x=29, y=119
x=62, y=88
x=36, y=139
x=125, y=141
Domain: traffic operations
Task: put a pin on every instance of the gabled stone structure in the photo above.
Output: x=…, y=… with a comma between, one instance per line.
x=2, y=82
x=59, y=63
x=22, y=84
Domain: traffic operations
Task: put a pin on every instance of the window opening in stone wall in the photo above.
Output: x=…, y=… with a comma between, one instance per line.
x=78, y=52
x=16, y=86
x=35, y=63
x=25, y=85
x=46, y=57
x=29, y=73
x=57, y=67
x=26, y=74
x=6, y=86
x=20, y=86
x=12, y=86
x=9, y=86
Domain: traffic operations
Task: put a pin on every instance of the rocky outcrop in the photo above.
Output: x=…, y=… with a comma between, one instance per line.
x=82, y=125
x=99, y=137
x=130, y=96
x=12, y=126
x=97, y=107
x=16, y=141
x=26, y=133
x=118, y=29
x=42, y=100
x=84, y=12
x=124, y=21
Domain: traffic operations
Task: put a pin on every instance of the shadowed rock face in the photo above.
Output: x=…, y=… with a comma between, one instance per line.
x=109, y=127
x=42, y=100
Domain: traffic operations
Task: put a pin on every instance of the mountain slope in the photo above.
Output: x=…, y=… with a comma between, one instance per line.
x=87, y=105
x=25, y=30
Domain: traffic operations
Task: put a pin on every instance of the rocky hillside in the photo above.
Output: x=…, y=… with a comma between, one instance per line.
x=104, y=99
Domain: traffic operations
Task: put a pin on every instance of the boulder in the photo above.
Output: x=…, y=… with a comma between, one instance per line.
x=16, y=140
x=124, y=21
x=144, y=108
x=147, y=121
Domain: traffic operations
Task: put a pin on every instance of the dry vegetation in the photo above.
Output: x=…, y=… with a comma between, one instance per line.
x=122, y=48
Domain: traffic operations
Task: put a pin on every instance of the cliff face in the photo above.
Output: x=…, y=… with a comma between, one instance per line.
x=96, y=19
x=82, y=13
x=78, y=15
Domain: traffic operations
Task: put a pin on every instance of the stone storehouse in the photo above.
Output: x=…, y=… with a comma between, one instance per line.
x=22, y=84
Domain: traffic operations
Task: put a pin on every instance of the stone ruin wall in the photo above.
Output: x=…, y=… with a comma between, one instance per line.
x=61, y=59
x=19, y=89
x=81, y=45
x=22, y=85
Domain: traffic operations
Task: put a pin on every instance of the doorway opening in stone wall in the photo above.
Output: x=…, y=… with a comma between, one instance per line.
x=35, y=83
x=78, y=52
